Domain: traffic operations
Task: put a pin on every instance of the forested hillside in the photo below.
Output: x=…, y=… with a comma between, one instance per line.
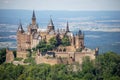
x=105, y=67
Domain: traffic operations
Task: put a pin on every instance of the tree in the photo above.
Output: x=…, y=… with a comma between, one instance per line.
x=53, y=42
x=41, y=46
x=65, y=41
x=106, y=65
x=44, y=46
x=49, y=47
x=29, y=53
x=2, y=55
x=87, y=65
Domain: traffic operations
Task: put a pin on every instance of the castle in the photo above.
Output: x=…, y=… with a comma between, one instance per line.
x=31, y=38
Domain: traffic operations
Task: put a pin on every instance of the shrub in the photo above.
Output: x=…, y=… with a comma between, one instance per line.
x=18, y=59
x=30, y=60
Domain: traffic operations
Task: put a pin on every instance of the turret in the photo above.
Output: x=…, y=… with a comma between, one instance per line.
x=50, y=26
x=33, y=18
x=79, y=40
x=79, y=32
x=20, y=33
x=20, y=28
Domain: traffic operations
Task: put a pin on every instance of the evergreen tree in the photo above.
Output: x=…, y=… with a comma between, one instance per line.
x=65, y=41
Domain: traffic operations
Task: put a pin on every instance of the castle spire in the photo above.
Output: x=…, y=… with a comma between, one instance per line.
x=67, y=27
x=20, y=28
x=51, y=22
x=50, y=25
x=33, y=18
x=79, y=32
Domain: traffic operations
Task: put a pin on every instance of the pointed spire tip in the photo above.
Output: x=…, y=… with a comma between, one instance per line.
x=33, y=16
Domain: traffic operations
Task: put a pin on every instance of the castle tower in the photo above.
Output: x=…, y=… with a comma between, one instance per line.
x=79, y=40
x=67, y=27
x=20, y=32
x=50, y=26
x=33, y=18
x=33, y=27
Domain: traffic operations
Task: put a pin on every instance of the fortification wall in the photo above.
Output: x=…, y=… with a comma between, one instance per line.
x=40, y=59
x=61, y=54
x=22, y=54
x=80, y=55
x=65, y=57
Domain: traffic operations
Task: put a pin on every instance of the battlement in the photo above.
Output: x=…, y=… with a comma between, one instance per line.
x=64, y=57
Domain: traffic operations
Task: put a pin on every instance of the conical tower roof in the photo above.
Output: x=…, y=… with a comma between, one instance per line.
x=33, y=18
x=33, y=15
x=51, y=22
x=67, y=27
x=20, y=28
x=79, y=32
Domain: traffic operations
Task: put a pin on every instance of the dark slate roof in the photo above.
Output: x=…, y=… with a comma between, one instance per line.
x=67, y=27
x=33, y=16
x=51, y=22
x=20, y=28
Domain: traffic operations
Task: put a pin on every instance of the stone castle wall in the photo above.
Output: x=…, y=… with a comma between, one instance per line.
x=9, y=56
x=22, y=54
x=40, y=59
x=65, y=58
x=80, y=55
x=61, y=54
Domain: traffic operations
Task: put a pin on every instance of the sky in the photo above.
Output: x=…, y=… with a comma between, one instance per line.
x=61, y=4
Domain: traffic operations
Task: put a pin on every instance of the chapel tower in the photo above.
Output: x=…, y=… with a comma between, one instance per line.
x=33, y=18
x=33, y=26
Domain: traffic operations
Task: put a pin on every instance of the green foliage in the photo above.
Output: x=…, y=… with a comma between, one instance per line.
x=29, y=50
x=44, y=47
x=18, y=59
x=34, y=49
x=65, y=41
x=2, y=55
x=34, y=53
x=104, y=67
x=107, y=65
x=87, y=65
x=30, y=60
x=29, y=54
x=53, y=41
x=10, y=71
x=50, y=47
